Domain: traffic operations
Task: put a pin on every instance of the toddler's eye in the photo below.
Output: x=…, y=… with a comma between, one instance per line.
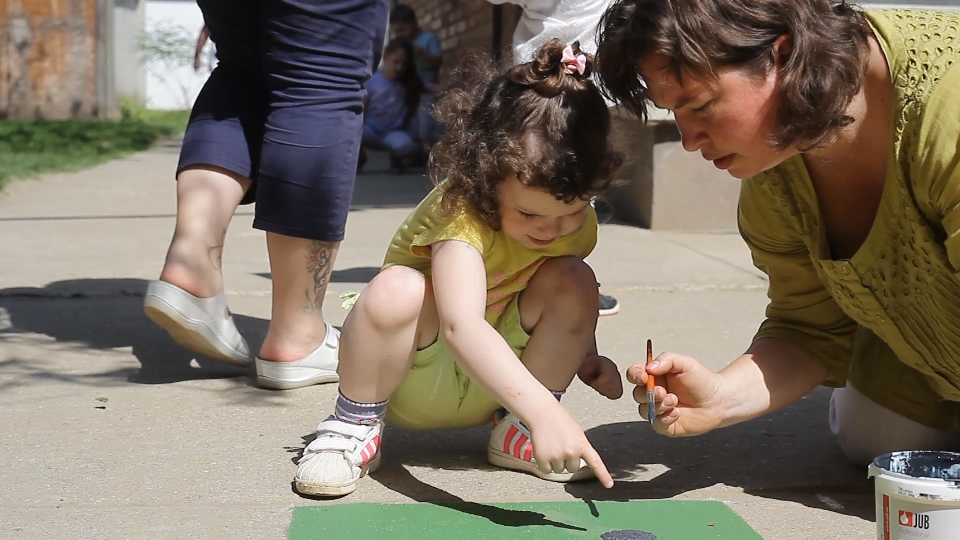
x=527, y=215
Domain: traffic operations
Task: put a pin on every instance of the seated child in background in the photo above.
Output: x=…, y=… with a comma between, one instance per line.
x=428, y=56
x=390, y=107
x=484, y=302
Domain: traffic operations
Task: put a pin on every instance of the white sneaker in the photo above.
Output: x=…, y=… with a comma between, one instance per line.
x=318, y=367
x=511, y=447
x=203, y=325
x=342, y=453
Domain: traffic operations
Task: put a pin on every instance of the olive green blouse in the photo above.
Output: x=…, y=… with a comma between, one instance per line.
x=888, y=319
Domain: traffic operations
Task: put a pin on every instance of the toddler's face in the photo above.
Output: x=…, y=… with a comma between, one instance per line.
x=534, y=217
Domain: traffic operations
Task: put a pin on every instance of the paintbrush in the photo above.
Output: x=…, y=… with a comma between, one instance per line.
x=651, y=405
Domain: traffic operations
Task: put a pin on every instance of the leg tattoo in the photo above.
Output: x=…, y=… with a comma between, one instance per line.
x=216, y=252
x=318, y=264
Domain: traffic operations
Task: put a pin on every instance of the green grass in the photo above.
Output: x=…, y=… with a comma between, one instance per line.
x=28, y=148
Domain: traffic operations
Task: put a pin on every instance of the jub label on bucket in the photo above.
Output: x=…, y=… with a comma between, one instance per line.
x=917, y=521
x=903, y=520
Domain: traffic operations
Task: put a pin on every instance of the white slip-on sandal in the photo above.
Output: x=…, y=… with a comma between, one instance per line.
x=203, y=325
x=318, y=367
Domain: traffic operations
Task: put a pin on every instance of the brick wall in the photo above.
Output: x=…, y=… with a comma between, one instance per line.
x=465, y=26
x=48, y=60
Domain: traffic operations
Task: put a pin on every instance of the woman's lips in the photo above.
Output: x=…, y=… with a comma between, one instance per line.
x=723, y=162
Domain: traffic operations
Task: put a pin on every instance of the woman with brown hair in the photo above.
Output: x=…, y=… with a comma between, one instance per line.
x=844, y=126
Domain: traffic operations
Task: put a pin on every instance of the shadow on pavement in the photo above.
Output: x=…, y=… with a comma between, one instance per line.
x=397, y=478
x=450, y=450
x=105, y=314
x=789, y=455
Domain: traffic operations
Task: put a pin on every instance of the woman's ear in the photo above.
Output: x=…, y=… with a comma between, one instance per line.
x=782, y=49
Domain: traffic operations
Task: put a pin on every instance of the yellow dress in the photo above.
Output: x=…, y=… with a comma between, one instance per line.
x=509, y=265
x=435, y=393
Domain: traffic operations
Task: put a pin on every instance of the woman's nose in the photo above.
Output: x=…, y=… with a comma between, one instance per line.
x=692, y=136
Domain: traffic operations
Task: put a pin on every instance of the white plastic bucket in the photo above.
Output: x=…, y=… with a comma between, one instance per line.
x=917, y=495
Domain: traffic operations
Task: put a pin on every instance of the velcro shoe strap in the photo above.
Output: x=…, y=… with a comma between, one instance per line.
x=339, y=427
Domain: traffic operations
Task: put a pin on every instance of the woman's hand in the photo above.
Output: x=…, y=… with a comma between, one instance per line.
x=601, y=374
x=693, y=399
x=688, y=394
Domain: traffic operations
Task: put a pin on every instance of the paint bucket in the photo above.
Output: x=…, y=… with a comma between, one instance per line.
x=917, y=495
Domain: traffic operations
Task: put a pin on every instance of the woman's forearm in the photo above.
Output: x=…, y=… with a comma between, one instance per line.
x=772, y=374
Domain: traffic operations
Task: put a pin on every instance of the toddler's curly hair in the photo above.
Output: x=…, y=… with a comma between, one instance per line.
x=548, y=127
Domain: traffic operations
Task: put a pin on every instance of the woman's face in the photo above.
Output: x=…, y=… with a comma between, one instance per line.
x=728, y=121
x=394, y=64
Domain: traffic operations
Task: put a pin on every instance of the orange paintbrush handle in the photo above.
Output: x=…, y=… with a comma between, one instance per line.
x=650, y=382
x=651, y=406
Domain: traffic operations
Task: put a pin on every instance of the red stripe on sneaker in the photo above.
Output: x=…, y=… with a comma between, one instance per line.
x=521, y=440
x=528, y=452
x=511, y=433
x=370, y=451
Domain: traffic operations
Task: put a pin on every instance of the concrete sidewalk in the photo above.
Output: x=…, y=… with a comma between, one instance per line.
x=110, y=430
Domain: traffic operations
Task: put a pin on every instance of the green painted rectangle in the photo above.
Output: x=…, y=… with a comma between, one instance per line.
x=665, y=520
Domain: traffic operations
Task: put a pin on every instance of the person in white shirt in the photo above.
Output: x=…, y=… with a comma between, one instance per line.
x=566, y=20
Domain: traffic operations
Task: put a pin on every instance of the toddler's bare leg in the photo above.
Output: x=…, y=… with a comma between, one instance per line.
x=395, y=316
x=559, y=311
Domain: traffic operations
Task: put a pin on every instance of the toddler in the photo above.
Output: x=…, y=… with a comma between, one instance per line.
x=484, y=309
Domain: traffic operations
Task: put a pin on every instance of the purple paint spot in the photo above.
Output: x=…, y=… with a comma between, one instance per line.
x=628, y=535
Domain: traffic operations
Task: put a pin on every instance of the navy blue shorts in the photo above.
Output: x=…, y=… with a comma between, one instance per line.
x=284, y=106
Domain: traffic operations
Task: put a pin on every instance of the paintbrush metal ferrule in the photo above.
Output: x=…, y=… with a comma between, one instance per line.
x=651, y=407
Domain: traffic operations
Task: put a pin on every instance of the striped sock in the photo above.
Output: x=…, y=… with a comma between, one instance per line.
x=359, y=413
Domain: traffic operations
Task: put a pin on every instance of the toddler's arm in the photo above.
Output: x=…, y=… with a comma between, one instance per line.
x=460, y=286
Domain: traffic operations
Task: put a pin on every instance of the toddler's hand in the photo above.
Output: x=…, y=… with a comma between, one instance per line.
x=601, y=374
x=560, y=444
